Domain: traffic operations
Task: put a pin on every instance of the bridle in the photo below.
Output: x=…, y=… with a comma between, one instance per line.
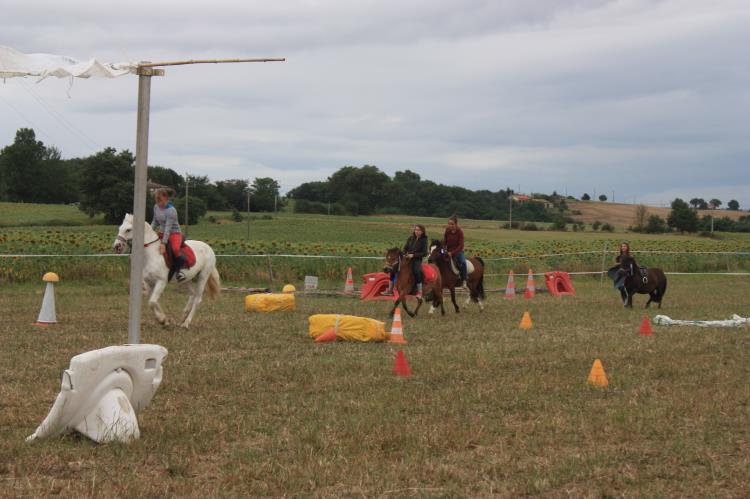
x=129, y=242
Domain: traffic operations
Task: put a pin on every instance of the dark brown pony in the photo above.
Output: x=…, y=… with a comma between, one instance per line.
x=650, y=281
x=475, y=280
x=406, y=283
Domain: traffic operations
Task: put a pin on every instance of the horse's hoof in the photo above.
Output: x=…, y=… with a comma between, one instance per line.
x=185, y=325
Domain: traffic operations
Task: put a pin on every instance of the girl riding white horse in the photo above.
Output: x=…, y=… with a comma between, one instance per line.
x=155, y=271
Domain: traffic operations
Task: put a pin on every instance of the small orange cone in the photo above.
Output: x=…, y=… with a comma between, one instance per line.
x=525, y=321
x=597, y=377
x=349, y=286
x=530, y=289
x=510, y=289
x=645, y=327
x=329, y=335
x=401, y=365
x=397, y=331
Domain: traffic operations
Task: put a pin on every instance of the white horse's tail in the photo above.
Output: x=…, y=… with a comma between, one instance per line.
x=214, y=284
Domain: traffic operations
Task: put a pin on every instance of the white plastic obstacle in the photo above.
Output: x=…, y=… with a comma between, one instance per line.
x=102, y=391
x=47, y=313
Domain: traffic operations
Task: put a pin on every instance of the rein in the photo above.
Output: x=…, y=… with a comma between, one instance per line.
x=129, y=242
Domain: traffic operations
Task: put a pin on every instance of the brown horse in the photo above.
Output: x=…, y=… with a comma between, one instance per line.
x=475, y=274
x=406, y=283
x=650, y=281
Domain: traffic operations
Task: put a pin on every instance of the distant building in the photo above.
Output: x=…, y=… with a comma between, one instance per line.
x=523, y=198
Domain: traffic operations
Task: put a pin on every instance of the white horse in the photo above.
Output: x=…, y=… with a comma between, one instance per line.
x=155, y=271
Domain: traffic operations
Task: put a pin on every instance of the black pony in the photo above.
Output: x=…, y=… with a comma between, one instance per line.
x=631, y=279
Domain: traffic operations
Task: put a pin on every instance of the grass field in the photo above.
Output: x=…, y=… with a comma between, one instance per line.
x=251, y=406
x=25, y=214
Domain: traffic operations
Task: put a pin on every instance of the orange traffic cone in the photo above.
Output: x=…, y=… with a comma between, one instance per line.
x=397, y=332
x=525, y=321
x=645, y=327
x=329, y=335
x=401, y=365
x=530, y=289
x=597, y=377
x=349, y=286
x=510, y=289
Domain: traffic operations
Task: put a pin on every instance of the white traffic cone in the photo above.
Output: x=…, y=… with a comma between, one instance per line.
x=47, y=313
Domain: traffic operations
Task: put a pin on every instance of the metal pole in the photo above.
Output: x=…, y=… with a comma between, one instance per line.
x=139, y=207
x=604, y=258
x=187, y=214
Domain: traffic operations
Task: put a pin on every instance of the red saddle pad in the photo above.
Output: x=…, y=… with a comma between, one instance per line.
x=187, y=251
x=430, y=275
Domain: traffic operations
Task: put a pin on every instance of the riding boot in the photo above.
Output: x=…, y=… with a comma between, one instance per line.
x=179, y=262
x=419, y=290
x=389, y=291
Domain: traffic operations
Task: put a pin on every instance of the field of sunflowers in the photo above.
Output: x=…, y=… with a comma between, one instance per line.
x=287, y=247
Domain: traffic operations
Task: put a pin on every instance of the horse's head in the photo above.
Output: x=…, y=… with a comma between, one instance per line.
x=436, y=251
x=392, y=257
x=124, y=234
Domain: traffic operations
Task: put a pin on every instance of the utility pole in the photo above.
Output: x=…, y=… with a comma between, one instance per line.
x=510, y=212
x=248, y=210
x=187, y=215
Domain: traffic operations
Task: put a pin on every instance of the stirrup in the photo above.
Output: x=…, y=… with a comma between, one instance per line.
x=180, y=276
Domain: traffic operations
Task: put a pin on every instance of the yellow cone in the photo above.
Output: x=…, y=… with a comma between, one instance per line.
x=525, y=321
x=597, y=377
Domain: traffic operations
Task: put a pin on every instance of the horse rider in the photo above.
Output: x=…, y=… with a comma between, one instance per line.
x=415, y=249
x=453, y=242
x=165, y=219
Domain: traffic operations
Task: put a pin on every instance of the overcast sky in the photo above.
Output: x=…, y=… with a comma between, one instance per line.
x=646, y=98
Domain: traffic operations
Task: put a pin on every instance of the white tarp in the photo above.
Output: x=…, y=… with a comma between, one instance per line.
x=14, y=63
x=735, y=321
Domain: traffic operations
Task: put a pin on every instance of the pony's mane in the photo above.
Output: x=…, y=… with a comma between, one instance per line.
x=395, y=248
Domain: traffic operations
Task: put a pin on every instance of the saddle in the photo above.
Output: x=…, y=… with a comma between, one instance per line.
x=454, y=266
x=186, y=251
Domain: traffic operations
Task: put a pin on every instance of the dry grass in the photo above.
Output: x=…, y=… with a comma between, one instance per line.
x=623, y=215
x=250, y=406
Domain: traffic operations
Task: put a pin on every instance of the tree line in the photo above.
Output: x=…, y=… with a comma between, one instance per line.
x=102, y=184
x=367, y=190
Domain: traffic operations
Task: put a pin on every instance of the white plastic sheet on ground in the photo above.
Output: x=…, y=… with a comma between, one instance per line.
x=14, y=63
x=734, y=321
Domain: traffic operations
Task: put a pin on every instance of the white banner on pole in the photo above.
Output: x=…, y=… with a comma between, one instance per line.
x=17, y=64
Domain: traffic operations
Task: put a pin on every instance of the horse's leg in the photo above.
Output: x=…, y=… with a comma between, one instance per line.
x=452, y=289
x=153, y=302
x=189, y=304
x=196, y=296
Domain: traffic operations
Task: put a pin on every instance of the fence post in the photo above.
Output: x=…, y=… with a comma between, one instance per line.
x=604, y=259
x=270, y=269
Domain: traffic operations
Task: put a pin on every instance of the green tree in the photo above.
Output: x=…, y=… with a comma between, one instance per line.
x=107, y=184
x=714, y=203
x=733, y=205
x=22, y=164
x=585, y=197
x=602, y=198
x=682, y=217
x=360, y=190
x=655, y=225
x=264, y=193
x=234, y=192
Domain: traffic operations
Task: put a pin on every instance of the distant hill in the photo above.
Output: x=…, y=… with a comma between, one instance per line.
x=623, y=215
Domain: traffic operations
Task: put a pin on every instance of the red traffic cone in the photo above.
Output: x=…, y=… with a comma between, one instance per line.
x=510, y=289
x=401, y=365
x=329, y=335
x=645, y=327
